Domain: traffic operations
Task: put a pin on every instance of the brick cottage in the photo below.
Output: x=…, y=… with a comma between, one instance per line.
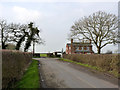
x=79, y=48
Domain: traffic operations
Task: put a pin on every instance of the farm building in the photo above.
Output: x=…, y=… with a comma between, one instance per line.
x=79, y=47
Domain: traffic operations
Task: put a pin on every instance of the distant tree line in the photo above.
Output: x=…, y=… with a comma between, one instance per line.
x=20, y=35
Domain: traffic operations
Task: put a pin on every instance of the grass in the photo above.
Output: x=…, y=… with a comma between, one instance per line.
x=43, y=55
x=115, y=73
x=86, y=65
x=31, y=77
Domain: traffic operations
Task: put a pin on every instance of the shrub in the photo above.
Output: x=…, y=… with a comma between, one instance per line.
x=14, y=64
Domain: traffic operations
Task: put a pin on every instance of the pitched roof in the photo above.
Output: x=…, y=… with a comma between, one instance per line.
x=79, y=44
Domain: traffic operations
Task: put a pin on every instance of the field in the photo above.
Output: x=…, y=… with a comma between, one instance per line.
x=43, y=55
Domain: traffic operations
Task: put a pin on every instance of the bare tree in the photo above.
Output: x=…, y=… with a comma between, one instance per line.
x=18, y=34
x=100, y=28
x=4, y=33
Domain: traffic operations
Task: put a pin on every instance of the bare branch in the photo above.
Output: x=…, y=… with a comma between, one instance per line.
x=100, y=27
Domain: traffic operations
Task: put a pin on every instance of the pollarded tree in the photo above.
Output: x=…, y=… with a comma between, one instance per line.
x=32, y=36
x=100, y=28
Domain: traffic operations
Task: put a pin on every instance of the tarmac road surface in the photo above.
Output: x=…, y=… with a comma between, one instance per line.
x=59, y=74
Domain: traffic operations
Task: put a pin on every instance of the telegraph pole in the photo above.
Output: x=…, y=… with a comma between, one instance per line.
x=33, y=48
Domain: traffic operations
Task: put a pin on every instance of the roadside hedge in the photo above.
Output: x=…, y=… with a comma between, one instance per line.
x=14, y=64
x=108, y=62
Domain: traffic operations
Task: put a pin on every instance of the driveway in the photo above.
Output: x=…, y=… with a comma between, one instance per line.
x=59, y=74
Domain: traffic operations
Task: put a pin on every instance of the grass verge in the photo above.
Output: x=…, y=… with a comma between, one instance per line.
x=86, y=65
x=31, y=77
x=114, y=73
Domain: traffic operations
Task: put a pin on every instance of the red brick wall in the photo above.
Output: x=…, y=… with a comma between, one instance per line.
x=68, y=51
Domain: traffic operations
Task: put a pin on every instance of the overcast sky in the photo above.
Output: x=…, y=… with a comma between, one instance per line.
x=54, y=17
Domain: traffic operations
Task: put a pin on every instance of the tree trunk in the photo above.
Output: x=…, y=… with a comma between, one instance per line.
x=99, y=50
x=20, y=42
x=4, y=46
x=27, y=45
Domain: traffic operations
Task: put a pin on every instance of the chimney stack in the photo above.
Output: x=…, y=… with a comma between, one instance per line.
x=71, y=46
x=71, y=41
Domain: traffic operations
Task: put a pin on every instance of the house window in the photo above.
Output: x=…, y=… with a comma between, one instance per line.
x=85, y=48
x=88, y=48
x=77, y=48
x=82, y=48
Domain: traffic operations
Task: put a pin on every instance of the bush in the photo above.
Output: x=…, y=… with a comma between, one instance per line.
x=108, y=62
x=14, y=64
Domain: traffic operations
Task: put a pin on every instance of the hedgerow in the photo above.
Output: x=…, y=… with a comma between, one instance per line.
x=14, y=64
